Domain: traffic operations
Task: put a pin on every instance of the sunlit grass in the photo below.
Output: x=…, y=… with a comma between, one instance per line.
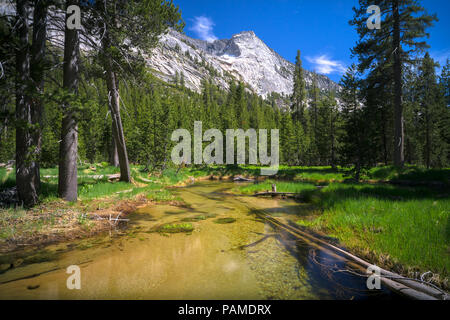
x=410, y=173
x=281, y=187
x=7, y=178
x=409, y=225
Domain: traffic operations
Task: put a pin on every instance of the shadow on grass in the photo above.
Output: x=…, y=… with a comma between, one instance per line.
x=410, y=173
x=340, y=192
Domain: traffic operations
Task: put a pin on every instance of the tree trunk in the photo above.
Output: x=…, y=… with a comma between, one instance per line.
x=114, y=152
x=37, y=69
x=67, y=182
x=26, y=179
x=114, y=105
x=427, y=138
x=399, y=157
x=358, y=170
x=333, y=151
x=384, y=137
x=114, y=157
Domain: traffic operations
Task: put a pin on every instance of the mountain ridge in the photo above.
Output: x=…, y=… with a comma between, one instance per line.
x=244, y=57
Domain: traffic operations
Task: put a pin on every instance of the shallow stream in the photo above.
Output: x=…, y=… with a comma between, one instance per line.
x=231, y=254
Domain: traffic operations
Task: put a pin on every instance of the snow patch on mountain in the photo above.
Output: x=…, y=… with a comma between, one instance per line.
x=244, y=57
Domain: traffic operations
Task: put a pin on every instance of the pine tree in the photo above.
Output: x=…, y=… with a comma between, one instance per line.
x=299, y=94
x=353, y=149
x=25, y=165
x=288, y=139
x=241, y=108
x=401, y=35
x=110, y=19
x=68, y=152
x=313, y=114
x=430, y=114
x=444, y=83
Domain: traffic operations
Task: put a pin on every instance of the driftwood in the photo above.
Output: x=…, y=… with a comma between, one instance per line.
x=277, y=194
x=412, y=288
x=241, y=178
x=274, y=193
x=111, y=177
x=124, y=191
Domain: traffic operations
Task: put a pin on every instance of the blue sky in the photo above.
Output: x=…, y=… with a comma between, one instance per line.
x=319, y=28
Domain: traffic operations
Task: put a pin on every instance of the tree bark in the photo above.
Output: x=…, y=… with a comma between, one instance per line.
x=333, y=151
x=114, y=105
x=399, y=157
x=112, y=84
x=37, y=70
x=27, y=180
x=67, y=180
x=114, y=155
x=427, y=139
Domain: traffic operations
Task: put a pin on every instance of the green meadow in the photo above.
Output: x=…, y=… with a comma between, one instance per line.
x=406, y=228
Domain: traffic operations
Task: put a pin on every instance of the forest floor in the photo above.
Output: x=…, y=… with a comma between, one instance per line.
x=398, y=219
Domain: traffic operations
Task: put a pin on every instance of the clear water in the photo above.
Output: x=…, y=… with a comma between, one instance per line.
x=246, y=259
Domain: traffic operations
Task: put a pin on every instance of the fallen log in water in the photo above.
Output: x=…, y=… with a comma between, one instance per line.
x=241, y=178
x=278, y=194
x=412, y=288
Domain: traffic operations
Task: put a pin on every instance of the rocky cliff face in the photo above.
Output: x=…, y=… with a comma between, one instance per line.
x=244, y=57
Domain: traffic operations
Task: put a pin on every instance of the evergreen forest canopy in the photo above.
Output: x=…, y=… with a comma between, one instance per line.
x=61, y=106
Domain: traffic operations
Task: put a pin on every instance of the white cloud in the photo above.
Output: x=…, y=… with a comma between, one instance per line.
x=203, y=27
x=324, y=65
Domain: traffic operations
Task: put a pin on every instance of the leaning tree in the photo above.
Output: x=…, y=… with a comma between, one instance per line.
x=122, y=34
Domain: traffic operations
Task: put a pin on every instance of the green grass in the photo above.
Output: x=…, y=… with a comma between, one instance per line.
x=410, y=173
x=410, y=225
x=326, y=174
x=282, y=186
x=91, y=187
x=7, y=179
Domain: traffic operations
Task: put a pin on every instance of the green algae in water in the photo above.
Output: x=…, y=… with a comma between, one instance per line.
x=176, y=228
x=194, y=219
x=15, y=259
x=85, y=246
x=199, y=218
x=43, y=256
x=225, y=220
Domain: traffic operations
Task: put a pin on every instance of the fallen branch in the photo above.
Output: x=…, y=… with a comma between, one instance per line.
x=241, y=178
x=273, y=194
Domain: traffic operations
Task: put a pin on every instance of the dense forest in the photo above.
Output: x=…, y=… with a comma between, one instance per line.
x=62, y=106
